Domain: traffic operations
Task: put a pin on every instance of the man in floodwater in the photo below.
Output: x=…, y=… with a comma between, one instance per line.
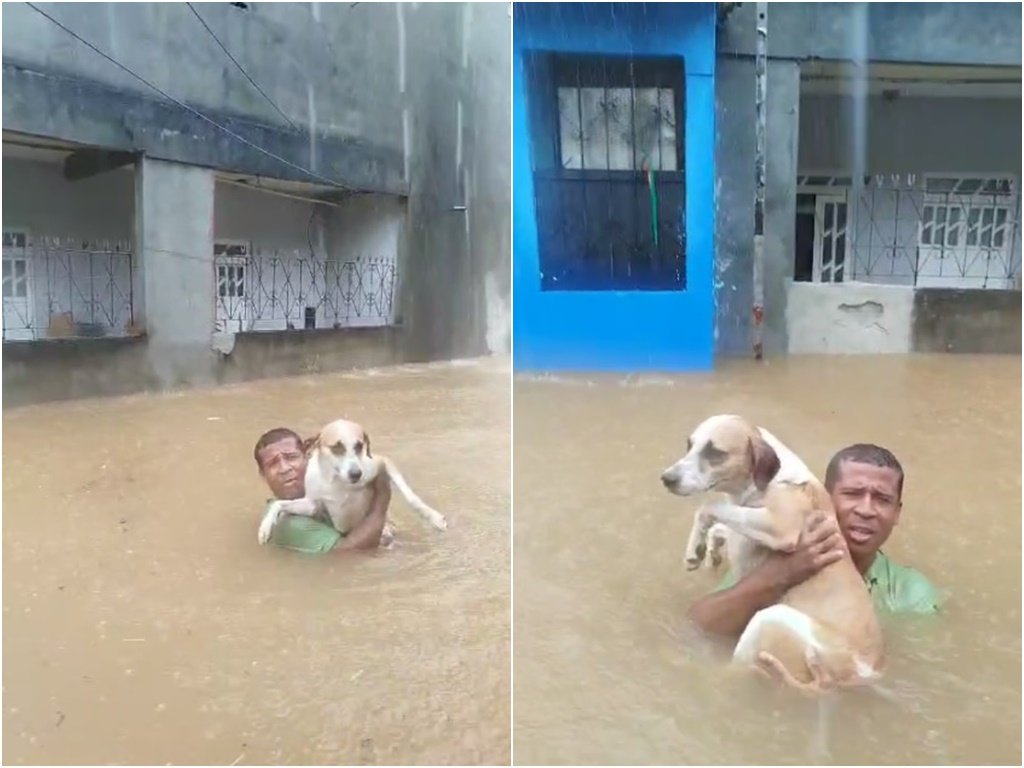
x=281, y=460
x=866, y=486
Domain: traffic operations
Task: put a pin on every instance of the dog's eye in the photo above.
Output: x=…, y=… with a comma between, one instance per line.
x=338, y=448
x=713, y=455
x=358, y=447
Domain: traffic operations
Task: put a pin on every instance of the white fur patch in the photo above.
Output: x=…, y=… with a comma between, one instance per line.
x=797, y=622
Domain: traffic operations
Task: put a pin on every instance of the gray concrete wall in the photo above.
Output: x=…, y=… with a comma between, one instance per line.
x=38, y=198
x=734, y=222
x=174, y=264
x=487, y=173
x=331, y=69
x=913, y=135
x=929, y=33
x=979, y=321
x=849, y=318
x=455, y=268
x=270, y=220
x=869, y=319
x=72, y=369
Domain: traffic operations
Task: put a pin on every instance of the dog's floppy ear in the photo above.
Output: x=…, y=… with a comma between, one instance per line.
x=764, y=460
x=366, y=443
x=310, y=443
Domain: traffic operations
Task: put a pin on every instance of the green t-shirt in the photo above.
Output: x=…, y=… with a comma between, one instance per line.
x=893, y=588
x=304, y=534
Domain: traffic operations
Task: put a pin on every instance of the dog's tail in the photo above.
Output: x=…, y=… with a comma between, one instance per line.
x=434, y=517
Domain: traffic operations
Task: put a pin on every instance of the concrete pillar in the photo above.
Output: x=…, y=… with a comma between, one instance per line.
x=174, y=280
x=783, y=107
x=734, y=217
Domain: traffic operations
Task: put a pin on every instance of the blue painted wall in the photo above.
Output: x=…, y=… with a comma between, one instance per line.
x=616, y=330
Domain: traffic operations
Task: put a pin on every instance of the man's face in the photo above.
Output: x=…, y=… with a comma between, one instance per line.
x=283, y=467
x=867, y=502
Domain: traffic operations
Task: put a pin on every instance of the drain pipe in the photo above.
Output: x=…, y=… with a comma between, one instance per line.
x=761, y=84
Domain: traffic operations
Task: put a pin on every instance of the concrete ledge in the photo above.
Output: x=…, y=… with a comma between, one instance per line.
x=270, y=354
x=92, y=113
x=65, y=369
x=849, y=318
x=68, y=369
x=967, y=321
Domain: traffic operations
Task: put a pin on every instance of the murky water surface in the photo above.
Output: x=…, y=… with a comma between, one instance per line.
x=143, y=624
x=607, y=670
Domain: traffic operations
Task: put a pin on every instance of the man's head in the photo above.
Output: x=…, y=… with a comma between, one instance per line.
x=281, y=458
x=866, y=485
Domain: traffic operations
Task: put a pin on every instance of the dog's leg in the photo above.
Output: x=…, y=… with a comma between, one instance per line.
x=758, y=524
x=821, y=681
x=717, y=535
x=696, y=544
x=305, y=507
x=434, y=517
x=802, y=627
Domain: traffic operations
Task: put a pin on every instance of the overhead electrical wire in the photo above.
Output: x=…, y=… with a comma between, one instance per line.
x=240, y=67
x=312, y=174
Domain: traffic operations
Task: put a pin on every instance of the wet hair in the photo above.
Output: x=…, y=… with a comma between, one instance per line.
x=275, y=435
x=863, y=453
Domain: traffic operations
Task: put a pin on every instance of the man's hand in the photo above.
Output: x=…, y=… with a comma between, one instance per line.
x=820, y=545
x=728, y=611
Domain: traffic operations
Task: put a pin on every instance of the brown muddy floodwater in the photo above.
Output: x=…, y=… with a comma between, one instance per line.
x=606, y=668
x=143, y=623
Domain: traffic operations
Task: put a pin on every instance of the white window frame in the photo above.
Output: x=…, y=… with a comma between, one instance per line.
x=836, y=192
x=222, y=322
x=30, y=333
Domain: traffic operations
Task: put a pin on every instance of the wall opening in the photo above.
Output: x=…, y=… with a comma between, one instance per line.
x=609, y=171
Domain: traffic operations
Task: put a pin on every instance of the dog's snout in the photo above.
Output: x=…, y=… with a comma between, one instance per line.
x=354, y=474
x=668, y=478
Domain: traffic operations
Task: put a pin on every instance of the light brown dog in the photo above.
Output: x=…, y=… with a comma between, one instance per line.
x=825, y=632
x=340, y=475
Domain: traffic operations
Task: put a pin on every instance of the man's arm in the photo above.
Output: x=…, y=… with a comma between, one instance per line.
x=728, y=611
x=367, y=534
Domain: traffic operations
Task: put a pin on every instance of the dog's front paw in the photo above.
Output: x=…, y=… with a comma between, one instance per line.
x=695, y=556
x=716, y=546
x=267, y=525
x=265, y=532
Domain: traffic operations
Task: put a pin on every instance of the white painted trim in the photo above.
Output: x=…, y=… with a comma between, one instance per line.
x=32, y=332
x=242, y=321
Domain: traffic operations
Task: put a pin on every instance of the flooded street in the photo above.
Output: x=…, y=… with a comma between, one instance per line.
x=607, y=670
x=143, y=623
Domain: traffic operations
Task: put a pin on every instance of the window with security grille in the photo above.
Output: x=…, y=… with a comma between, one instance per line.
x=608, y=171
x=966, y=232
x=233, y=305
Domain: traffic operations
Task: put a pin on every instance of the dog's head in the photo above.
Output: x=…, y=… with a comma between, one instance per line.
x=724, y=453
x=343, y=450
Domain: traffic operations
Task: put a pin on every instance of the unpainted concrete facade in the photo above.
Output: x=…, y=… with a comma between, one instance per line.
x=400, y=111
x=810, y=133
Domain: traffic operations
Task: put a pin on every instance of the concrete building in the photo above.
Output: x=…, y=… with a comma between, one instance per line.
x=220, y=192
x=893, y=173
x=893, y=177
